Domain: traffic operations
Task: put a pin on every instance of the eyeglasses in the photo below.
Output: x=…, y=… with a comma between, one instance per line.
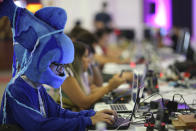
x=59, y=67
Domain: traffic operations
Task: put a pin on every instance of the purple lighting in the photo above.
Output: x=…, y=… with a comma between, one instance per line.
x=161, y=17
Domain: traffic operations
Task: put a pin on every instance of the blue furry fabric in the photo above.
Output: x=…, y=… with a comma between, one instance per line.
x=57, y=119
x=30, y=28
x=56, y=17
x=39, y=41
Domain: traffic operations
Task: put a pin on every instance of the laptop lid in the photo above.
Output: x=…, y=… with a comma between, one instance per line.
x=139, y=90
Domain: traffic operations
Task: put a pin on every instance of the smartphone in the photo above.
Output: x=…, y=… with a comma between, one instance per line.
x=121, y=73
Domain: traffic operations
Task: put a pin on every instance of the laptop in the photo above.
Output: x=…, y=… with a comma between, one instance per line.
x=122, y=107
x=119, y=108
x=121, y=123
x=124, y=123
x=109, y=102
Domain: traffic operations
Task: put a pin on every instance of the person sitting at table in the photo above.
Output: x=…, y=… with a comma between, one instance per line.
x=94, y=72
x=94, y=42
x=77, y=93
x=41, y=50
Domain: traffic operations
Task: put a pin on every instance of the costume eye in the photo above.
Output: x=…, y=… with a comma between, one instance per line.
x=59, y=68
x=62, y=74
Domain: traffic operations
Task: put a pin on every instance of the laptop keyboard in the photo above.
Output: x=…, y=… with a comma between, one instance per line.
x=119, y=121
x=118, y=107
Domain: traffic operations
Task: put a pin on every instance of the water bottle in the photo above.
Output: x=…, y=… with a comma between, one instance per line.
x=101, y=126
x=152, y=82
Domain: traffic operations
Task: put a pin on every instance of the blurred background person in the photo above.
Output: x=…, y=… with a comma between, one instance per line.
x=103, y=19
x=98, y=45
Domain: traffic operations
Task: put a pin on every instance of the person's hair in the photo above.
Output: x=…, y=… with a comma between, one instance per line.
x=76, y=66
x=104, y=4
x=87, y=38
x=99, y=33
x=78, y=23
x=77, y=30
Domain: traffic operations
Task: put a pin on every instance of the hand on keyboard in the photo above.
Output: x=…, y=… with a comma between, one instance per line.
x=119, y=121
x=106, y=115
x=114, y=120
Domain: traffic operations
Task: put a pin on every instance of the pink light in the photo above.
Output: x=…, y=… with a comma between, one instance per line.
x=132, y=64
x=162, y=17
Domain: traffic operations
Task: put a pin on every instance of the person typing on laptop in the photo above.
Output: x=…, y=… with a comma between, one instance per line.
x=41, y=50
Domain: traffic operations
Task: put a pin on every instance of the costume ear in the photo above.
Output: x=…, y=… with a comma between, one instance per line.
x=27, y=42
x=54, y=16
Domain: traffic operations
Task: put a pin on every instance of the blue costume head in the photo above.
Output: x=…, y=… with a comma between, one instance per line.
x=39, y=41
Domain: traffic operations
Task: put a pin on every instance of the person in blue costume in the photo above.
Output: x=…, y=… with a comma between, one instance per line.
x=41, y=50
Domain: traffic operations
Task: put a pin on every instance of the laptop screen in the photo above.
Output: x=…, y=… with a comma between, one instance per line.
x=142, y=80
x=139, y=90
